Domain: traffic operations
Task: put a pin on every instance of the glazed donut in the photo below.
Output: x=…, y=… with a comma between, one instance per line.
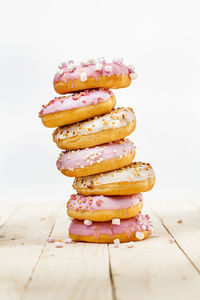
x=114, y=126
x=138, y=177
x=97, y=159
x=133, y=229
x=104, y=208
x=93, y=74
x=77, y=107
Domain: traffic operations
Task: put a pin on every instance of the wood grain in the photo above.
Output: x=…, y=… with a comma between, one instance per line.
x=153, y=269
x=76, y=271
x=24, y=236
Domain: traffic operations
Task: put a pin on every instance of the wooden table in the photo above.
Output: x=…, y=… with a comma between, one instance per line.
x=31, y=268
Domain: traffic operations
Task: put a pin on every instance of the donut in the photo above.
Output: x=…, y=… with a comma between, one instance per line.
x=98, y=159
x=137, y=177
x=114, y=126
x=133, y=229
x=104, y=208
x=91, y=74
x=77, y=107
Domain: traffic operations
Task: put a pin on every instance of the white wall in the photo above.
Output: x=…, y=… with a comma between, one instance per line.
x=161, y=38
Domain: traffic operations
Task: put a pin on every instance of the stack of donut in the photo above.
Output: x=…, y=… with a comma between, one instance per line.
x=92, y=134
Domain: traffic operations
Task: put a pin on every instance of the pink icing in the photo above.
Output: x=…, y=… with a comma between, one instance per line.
x=117, y=69
x=138, y=223
x=92, y=203
x=79, y=99
x=71, y=160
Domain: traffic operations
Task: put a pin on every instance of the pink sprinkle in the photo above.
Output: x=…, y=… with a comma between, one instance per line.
x=147, y=216
x=68, y=241
x=64, y=64
x=116, y=243
x=171, y=240
x=50, y=240
x=73, y=196
x=58, y=245
x=84, y=200
x=98, y=202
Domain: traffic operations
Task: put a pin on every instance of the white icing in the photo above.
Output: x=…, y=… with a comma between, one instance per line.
x=134, y=172
x=117, y=118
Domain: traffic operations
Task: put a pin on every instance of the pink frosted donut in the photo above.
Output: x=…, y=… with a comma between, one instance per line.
x=104, y=208
x=77, y=107
x=102, y=158
x=133, y=229
x=89, y=74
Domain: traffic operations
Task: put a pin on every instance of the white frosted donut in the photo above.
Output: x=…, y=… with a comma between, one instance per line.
x=116, y=125
x=89, y=74
x=104, y=208
x=77, y=107
x=102, y=158
x=138, y=177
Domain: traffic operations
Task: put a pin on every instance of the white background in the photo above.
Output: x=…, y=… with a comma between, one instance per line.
x=161, y=38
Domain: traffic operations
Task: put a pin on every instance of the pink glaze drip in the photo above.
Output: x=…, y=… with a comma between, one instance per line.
x=89, y=156
x=117, y=69
x=127, y=226
x=77, y=100
x=92, y=203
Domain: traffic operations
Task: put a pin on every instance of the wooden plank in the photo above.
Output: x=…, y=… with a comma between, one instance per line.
x=25, y=234
x=154, y=269
x=182, y=220
x=76, y=271
x=6, y=211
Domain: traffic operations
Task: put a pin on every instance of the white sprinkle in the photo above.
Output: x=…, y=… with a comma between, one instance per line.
x=50, y=240
x=131, y=68
x=87, y=222
x=133, y=76
x=67, y=241
x=143, y=227
x=118, y=60
x=71, y=67
x=98, y=67
x=84, y=62
x=83, y=76
x=60, y=72
x=139, y=235
x=101, y=59
x=68, y=157
x=92, y=61
x=130, y=245
x=108, y=69
x=59, y=245
x=116, y=243
x=116, y=221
